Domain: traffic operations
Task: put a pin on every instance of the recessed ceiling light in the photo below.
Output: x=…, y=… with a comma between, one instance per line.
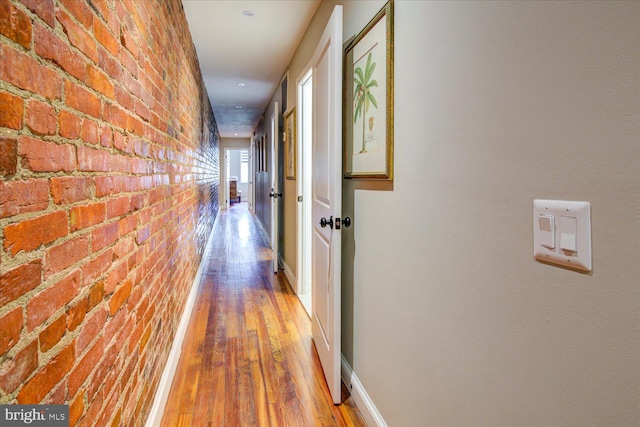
x=241, y=84
x=235, y=134
x=248, y=13
x=238, y=107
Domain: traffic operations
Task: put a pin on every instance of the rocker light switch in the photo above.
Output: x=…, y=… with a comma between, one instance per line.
x=547, y=231
x=562, y=233
x=568, y=230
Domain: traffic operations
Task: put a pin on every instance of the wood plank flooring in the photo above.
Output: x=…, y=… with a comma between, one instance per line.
x=248, y=358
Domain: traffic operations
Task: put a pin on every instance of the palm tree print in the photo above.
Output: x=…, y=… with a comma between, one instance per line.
x=362, y=95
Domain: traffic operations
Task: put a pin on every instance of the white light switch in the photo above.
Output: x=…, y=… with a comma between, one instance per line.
x=547, y=231
x=562, y=233
x=568, y=230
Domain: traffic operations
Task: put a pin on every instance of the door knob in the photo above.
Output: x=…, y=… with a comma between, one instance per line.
x=324, y=222
x=346, y=221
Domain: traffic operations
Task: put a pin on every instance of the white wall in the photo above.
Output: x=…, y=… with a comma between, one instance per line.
x=447, y=318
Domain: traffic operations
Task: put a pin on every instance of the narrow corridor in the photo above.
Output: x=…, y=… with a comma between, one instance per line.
x=248, y=358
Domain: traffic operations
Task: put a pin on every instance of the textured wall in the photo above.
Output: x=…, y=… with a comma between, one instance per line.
x=109, y=167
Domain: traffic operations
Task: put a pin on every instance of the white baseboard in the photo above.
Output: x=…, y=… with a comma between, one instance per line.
x=289, y=273
x=365, y=405
x=162, y=394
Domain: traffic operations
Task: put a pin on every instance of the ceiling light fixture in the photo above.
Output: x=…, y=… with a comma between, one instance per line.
x=241, y=84
x=248, y=13
x=238, y=107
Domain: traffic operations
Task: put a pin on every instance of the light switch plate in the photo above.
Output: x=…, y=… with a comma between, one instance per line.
x=580, y=259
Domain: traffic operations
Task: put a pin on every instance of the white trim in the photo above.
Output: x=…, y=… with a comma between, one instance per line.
x=162, y=393
x=290, y=276
x=364, y=403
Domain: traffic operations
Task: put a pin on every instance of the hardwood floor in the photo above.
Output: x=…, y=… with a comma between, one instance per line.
x=248, y=358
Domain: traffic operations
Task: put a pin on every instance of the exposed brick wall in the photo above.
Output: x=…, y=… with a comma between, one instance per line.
x=109, y=166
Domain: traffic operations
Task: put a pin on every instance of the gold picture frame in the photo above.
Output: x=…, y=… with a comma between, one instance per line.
x=290, y=144
x=368, y=100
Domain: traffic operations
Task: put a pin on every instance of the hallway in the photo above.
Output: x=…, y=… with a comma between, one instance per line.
x=248, y=358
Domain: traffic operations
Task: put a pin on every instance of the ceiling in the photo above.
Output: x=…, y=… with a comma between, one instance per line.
x=243, y=42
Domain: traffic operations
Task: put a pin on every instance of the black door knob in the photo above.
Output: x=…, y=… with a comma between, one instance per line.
x=324, y=222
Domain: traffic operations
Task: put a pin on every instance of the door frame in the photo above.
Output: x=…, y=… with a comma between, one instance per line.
x=275, y=187
x=303, y=214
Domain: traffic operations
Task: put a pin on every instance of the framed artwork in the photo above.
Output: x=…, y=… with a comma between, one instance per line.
x=368, y=97
x=290, y=144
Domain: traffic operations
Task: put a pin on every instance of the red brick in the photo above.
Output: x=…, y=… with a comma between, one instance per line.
x=47, y=302
x=17, y=282
x=96, y=295
x=25, y=72
x=124, y=247
x=128, y=41
x=69, y=125
x=8, y=156
x=44, y=9
x=104, y=236
x=80, y=10
x=143, y=235
x=97, y=267
x=58, y=394
x=15, y=371
x=11, y=111
x=81, y=99
x=93, y=160
x=17, y=197
x=78, y=36
x=120, y=163
x=115, y=115
x=115, y=277
x=76, y=314
x=85, y=216
x=142, y=111
x=82, y=370
x=30, y=234
x=105, y=185
x=144, y=339
x=59, y=257
x=119, y=297
x=10, y=327
x=124, y=98
x=45, y=156
x=118, y=207
x=76, y=408
x=70, y=189
x=40, y=385
x=90, y=131
x=52, y=334
x=107, y=366
x=104, y=36
x=90, y=329
x=50, y=47
x=93, y=410
x=41, y=118
x=109, y=64
x=100, y=81
x=15, y=24
x=106, y=137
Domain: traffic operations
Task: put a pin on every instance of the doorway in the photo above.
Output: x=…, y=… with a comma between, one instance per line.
x=237, y=167
x=305, y=126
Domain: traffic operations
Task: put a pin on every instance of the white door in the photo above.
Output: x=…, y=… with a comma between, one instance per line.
x=275, y=193
x=327, y=199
